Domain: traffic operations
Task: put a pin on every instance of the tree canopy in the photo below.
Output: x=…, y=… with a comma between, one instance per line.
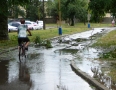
x=70, y=9
x=4, y=15
x=34, y=10
x=99, y=8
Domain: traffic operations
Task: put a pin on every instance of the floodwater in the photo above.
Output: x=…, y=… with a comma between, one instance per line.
x=49, y=69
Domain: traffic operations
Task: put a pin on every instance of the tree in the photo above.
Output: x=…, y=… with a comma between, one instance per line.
x=82, y=12
x=52, y=9
x=4, y=15
x=70, y=9
x=34, y=10
x=14, y=11
x=111, y=7
x=98, y=8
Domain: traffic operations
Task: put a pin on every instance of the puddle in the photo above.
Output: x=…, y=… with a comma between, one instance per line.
x=3, y=70
x=49, y=69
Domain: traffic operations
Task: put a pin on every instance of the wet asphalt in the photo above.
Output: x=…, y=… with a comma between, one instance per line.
x=49, y=69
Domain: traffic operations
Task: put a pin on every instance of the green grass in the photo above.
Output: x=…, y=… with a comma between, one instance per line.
x=112, y=73
x=49, y=33
x=107, y=41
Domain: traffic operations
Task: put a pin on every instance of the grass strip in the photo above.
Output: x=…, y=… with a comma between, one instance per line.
x=49, y=33
x=107, y=40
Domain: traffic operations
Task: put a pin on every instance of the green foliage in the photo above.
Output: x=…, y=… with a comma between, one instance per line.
x=48, y=44
x=11, y=3
x=76, y=9
x=98, y=8
x=38, y=40
x=82, y=15
x=70, y=9
x=34, y=10
x=18, y=2
x=4, y=15
x=15, y=11
x=108, y=55
x=112, y=8
x=52, y=8
x=45, y=43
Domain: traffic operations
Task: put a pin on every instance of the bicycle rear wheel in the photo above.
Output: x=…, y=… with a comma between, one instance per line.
x=24, y=52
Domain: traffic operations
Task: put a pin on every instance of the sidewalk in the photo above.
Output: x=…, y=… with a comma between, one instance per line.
x=86, y=77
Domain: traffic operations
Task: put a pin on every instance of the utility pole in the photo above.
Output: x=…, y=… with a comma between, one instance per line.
x=88, y=16
x=43, y=16
x=59, y=14
x=60, y=28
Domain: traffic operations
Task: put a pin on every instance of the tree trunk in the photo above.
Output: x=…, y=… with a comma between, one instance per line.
x=3, y=20
x=72, y=19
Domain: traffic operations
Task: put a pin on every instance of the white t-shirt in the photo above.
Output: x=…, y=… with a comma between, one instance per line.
x=22, y=30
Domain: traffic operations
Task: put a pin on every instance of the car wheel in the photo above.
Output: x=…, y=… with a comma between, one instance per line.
x=9, y=30
x=32, y=28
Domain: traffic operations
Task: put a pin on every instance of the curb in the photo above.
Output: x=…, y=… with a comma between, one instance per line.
x=86, y=77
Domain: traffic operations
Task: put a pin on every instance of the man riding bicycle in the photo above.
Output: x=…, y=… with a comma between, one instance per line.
x=22, y=35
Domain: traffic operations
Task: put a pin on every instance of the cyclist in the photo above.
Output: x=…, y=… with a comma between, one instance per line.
x=22, y=35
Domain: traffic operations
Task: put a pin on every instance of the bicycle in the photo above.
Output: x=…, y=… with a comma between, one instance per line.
x=22, y=51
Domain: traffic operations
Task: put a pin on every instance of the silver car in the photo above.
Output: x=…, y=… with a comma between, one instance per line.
x=12, y=28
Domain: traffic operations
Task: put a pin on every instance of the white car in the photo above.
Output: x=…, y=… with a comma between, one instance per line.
x=34, y=25
x=16, y=24
x=40, y=23
x=12, y=28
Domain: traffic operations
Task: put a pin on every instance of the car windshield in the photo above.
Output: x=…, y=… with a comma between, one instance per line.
x=15, y=24
x=27, y=22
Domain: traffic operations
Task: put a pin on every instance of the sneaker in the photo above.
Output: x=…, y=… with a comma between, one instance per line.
x=26, y=48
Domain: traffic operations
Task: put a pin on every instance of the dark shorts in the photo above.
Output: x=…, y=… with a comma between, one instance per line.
x=20, y=40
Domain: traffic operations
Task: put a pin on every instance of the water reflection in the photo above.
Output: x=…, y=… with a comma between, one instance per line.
x=24, y=74
x=12, y=78
x=3, y=71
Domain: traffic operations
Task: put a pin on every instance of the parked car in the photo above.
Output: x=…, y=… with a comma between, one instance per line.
x=16, y=24
x=12, y=28
x=34, y=25
x=40, y=23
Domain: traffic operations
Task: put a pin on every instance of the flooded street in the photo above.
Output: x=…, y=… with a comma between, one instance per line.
x=49, y=69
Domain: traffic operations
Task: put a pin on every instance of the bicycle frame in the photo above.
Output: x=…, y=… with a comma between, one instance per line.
x=22, y=51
